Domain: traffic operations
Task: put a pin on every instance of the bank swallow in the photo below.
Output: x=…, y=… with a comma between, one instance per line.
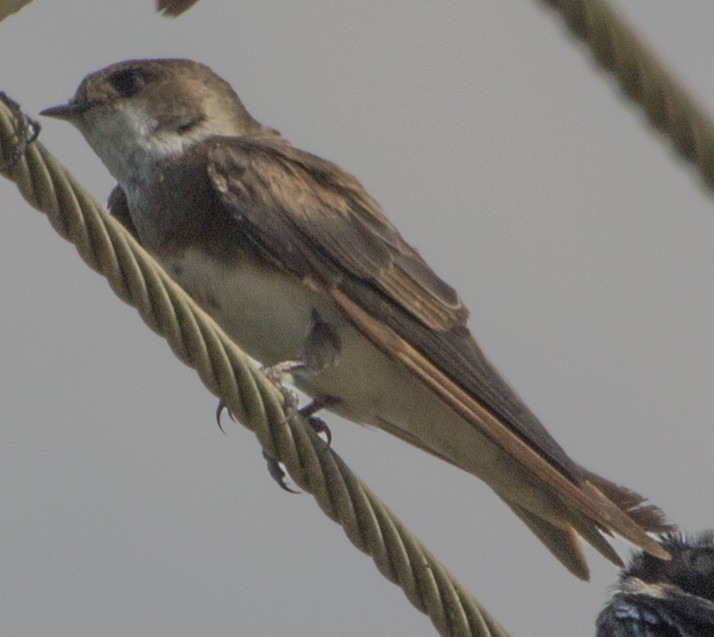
x=297, y=262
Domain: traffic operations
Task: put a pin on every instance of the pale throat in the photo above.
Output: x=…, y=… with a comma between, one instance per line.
x=131, y=143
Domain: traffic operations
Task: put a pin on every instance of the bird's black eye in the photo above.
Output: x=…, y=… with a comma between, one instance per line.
x=187, y=126
x=127, y=82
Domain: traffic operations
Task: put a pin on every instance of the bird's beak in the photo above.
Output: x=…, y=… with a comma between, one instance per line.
x=68, y=112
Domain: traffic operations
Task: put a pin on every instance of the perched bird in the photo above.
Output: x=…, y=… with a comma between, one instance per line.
x=298, y=264
x=673, y=598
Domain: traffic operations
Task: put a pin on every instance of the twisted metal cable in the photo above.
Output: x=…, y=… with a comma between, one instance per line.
x=227, y=372
x=643, y=79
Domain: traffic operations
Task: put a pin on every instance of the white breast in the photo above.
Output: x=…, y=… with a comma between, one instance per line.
x=269, y=315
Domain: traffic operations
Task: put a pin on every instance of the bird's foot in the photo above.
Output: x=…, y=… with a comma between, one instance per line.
x=280, y=374
x=222, y=406
x=318, y=425
x=277, y=472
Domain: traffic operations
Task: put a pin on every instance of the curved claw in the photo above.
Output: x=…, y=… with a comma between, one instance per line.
x=219, y=412
x=319, y=426
x=276, y=472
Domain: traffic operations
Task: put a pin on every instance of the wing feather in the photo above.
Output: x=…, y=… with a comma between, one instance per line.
x=314, y=219
x=317, y=221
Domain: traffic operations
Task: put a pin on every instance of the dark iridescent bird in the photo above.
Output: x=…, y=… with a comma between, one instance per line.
x=298, y=264
x=665, y=598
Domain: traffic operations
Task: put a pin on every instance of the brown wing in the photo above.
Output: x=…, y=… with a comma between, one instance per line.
x=611, y=507
x=317, y=221
x=313, y=219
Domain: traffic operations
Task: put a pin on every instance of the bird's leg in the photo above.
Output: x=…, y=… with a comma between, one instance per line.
x=320, y=352
x=318, y=425
x=276, y=472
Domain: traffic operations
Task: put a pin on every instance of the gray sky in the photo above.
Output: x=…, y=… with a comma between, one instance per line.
x=582, y=247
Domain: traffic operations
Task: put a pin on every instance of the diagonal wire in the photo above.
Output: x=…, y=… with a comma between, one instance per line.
x=644, y=79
